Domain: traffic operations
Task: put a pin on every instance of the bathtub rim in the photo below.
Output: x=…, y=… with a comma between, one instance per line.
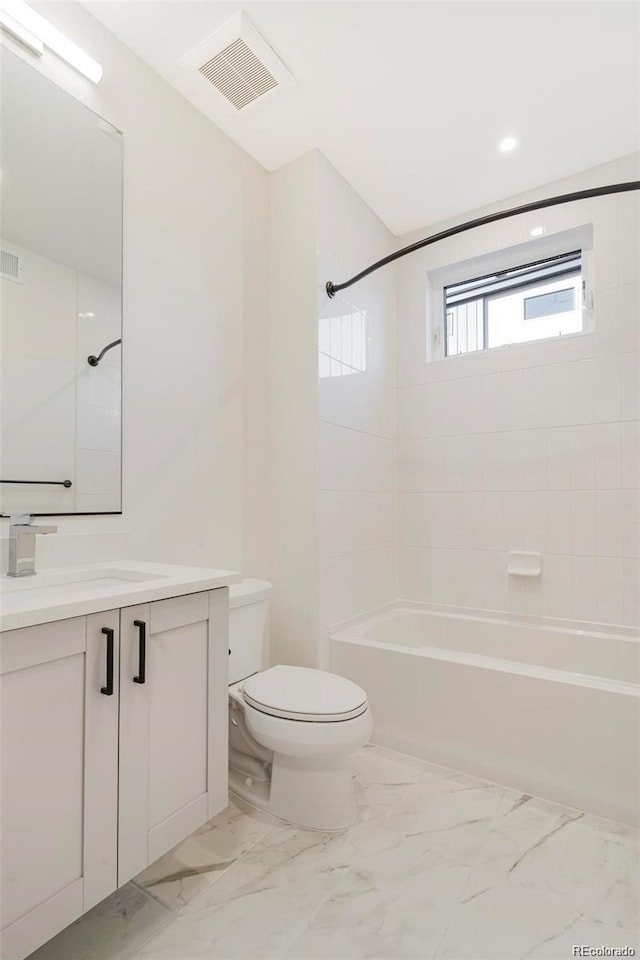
x=504, y=617
x=351, y=631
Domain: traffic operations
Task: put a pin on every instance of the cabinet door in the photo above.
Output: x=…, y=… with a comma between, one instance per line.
x=58, y=730
x=169, y=751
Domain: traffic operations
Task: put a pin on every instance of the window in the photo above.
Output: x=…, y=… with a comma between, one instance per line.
x=517, y=305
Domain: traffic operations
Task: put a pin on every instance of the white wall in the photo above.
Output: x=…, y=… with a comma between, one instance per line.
x=287, y=484
x=38, y=383
x=319, y=495
x=527, y=447
x=185, y=297
x=356, y=475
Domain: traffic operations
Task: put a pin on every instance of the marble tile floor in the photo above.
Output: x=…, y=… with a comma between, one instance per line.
x=440, y=865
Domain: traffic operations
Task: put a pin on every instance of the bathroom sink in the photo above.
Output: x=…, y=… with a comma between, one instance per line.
x=88, y=578
x=61, y=593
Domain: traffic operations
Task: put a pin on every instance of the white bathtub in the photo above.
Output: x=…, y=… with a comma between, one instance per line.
x=547, y=707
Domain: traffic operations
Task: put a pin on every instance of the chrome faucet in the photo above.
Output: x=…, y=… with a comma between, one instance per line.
x=22, y=544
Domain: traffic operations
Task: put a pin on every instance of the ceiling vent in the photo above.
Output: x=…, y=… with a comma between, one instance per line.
x=11, y=266
x=239, y=63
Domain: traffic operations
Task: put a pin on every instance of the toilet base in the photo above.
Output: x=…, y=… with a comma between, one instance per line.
x=318, y=794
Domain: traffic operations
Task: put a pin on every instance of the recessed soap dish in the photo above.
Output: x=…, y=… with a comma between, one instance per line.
x=523, y=563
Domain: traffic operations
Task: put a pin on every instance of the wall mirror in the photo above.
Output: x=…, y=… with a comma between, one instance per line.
x=60, y=300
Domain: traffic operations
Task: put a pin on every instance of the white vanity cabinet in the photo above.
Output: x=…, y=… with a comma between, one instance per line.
x=170, y=781
x=105, y=765
x=59, y=776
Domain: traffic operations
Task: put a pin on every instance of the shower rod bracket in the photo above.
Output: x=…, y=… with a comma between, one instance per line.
x=333, y=288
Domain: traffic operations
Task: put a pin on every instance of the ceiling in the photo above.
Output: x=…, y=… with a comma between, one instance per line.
x=408, y=100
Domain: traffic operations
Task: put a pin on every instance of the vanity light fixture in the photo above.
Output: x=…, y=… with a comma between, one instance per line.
x=32, y=30
x=11, y=26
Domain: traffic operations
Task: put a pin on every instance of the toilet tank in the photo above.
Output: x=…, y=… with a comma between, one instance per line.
x=248, y=605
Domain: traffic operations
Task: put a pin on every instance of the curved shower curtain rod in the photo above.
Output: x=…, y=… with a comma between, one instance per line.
x=333, y=288
x=94, y=361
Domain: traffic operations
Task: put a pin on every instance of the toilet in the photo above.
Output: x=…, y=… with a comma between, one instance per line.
x=291, y=729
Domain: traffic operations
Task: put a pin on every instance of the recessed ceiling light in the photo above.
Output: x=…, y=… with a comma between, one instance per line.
x=508, y=144
x=537, y=231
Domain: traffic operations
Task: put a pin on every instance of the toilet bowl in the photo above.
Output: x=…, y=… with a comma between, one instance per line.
x=291, y=729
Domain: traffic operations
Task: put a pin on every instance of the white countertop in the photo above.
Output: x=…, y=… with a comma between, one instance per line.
x=64, y=592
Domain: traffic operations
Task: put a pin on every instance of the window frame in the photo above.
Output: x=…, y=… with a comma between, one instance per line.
x=445, y=271
x=512, y=288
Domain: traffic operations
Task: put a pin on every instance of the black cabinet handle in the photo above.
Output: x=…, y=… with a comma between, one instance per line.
x=108, y=690
x=142, y=651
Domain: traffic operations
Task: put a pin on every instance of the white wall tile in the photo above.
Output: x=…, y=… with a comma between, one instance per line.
x=610, y=590
x=495, y=578
x=608, y=438
x=492, y=529
x=582, y=346
x=514, y=459
x=628, y=239
x=493, y=461
x=607, y=258
x=557, y=585
x=630, y=443
x=411, y=465
x=413, y=582
x=610, y=521
x=629, y=332
x=443, y=416
x=445, y=463
x=558, y=523
x=556, y=394
x=558, y=450
x=607, y=322
x=414, y=519
x=547, y=432
x=353, y=460
x=471, y=405
x=583, y=457
x=472, y=461
x=607, y=388
x=630, y=385
x=354, y=521
x=355, y=584
x=630, y=500
x=583, y=523
x=492, y=408
x=512, y=399
x=446, y=576
x=584, y=587
x=535, y=460
x=582, y=395
x=533, y=394
x=631, y=591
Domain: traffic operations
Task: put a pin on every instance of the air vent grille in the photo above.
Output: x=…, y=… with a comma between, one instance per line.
x=10, y=266
x=238, y=74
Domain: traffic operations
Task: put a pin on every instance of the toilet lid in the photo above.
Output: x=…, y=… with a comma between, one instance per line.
x=298, y=693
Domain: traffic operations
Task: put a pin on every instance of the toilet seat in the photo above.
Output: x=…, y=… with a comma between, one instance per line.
x=299, y=693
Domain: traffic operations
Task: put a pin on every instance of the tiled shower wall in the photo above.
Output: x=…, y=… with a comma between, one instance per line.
x=527, y=447
x=356, y=471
